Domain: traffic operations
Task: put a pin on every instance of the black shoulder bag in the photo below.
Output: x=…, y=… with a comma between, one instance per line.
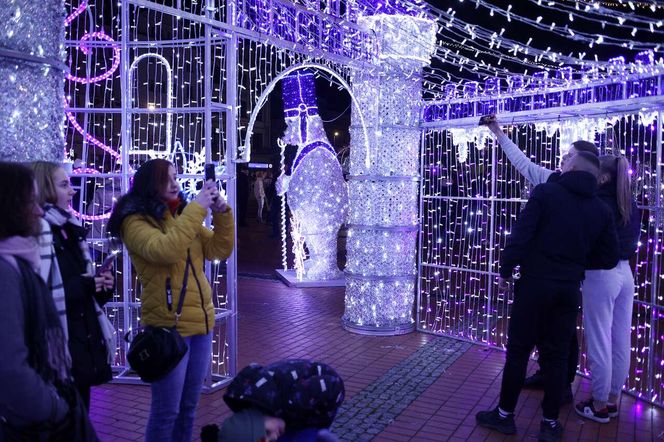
x=156, y=351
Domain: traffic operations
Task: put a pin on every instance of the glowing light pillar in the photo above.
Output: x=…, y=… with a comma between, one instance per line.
x=31, y=80
x=381, y=267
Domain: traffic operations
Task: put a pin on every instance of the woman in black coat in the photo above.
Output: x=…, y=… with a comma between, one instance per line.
x=84, y=292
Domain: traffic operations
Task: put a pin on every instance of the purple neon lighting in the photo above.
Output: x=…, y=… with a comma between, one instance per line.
x=116, y=63
x=299, y=95
x=86, y=50
x=83, y=216
x=70, y=116
x=89, y=137
x=78, y=11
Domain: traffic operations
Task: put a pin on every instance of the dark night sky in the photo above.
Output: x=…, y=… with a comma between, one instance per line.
x=332, y=102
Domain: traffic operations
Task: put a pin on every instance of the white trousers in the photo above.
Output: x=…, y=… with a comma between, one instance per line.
x=608, y=296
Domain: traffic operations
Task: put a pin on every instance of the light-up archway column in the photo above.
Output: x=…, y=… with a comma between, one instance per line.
x=31, y=80
x=381, y=267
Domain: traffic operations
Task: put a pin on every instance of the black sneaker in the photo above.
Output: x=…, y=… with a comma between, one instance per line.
x=612, y=409
x=491, y=419
x=587, y=409
x=550, y=431
x=534, y=382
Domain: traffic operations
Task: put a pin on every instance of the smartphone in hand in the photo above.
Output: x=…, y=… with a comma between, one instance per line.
x=485, y=120
x=107, y=264
x=209, y=172
x=210, y=175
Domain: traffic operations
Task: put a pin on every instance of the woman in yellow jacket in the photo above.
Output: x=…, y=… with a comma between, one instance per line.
x=159, y=229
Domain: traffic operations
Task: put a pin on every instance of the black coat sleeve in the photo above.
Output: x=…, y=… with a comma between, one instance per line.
x=523, y=232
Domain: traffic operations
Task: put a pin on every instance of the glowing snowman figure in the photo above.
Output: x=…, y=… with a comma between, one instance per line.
x=316, y=190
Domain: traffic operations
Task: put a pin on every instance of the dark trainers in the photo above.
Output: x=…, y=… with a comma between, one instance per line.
x=491, y=419
x=612, y=409
x=587, y=409
x=534, y=382
x=550, y=431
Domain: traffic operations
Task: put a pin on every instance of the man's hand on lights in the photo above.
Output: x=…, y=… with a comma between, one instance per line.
x=504, y=283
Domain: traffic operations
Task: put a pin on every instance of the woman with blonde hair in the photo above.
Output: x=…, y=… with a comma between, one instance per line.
x=71, y=276
x=608, y=296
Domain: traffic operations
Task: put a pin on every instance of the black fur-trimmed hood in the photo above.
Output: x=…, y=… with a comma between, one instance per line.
x=130, y=205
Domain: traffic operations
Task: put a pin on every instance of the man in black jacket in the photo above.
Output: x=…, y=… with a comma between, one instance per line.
x=562, y=225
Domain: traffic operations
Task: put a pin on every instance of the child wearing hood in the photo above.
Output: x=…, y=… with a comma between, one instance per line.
x=287, y=401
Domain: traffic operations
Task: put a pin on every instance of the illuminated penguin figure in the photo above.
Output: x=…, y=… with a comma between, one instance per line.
x=316, y=190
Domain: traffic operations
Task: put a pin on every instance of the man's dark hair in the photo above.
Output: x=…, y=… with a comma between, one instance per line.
x=586, y=146
x=17, y=201
x=589, y=160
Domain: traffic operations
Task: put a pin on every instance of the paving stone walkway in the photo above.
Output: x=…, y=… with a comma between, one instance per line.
x=373, y=409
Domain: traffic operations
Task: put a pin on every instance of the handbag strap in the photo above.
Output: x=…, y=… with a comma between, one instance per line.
x=183, y=290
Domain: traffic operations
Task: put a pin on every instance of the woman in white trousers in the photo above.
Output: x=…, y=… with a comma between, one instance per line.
x=608, y=296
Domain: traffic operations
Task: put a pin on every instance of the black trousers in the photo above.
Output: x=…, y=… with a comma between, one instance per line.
x=572, y=360
x=544, y=313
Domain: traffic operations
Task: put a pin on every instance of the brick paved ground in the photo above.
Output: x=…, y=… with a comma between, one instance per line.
x=415, y=387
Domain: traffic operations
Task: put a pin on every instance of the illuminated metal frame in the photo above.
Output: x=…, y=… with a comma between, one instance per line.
x=618, y=107
x=230, y=32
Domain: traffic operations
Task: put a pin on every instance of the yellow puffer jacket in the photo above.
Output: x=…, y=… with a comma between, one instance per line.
x=158, y=253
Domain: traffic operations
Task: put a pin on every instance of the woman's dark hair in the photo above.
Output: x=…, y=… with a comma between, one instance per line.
x=617, y=168
x=17, y=201
x=586, y=146
x=143, y=197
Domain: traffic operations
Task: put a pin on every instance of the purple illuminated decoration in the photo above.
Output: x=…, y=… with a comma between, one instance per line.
x=515, y=83
x=564, y=75
x=84, y=80
x=645, y=58
x=299, y=95
x=78, y=11
x=470, y=89
x=616, y=64
x=540, y=80
x=450, y=91
x=89, y=138
x=492, y=86
x=86, y=50
x=116, y=62
x=83, y=216
x=391, y=7
x=316, y=190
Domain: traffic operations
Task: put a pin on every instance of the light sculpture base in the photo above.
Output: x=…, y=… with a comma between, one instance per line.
x=401, y=329
x=290, y=279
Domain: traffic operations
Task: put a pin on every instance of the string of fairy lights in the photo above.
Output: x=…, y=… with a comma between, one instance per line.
x=462, y=184
x=469, y=209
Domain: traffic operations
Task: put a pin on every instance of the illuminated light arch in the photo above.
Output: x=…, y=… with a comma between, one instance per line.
x=169, y=99
x=270, y=87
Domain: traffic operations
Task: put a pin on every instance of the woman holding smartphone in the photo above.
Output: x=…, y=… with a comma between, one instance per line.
x=71, y=275
x=167, y=240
